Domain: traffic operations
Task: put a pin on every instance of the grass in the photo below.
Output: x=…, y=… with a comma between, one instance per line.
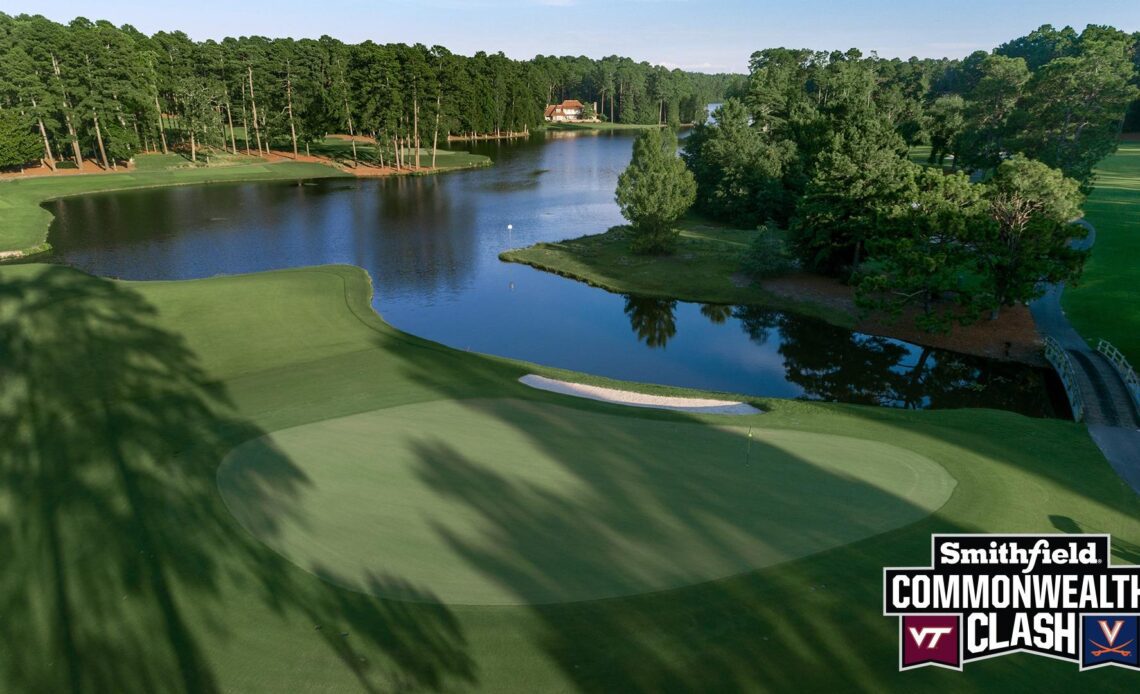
x=514, y=442
x=125, y=570
x=1106, y=303
x=704, y=268
x=604, y=125
x=340, y=149
x=26, y=222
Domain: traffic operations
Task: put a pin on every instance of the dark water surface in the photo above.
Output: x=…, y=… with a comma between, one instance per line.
x=431, y=246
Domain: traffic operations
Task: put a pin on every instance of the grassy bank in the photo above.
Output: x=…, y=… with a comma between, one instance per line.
x=26, y=223
x=128, y=570
x=1106, y=303
x=705, y=268
x=339, y=149
x=604, y=125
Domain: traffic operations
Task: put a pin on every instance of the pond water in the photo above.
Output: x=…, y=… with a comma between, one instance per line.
x=431, y=245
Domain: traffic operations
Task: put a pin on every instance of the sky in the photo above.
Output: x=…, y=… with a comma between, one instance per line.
x=702, y=35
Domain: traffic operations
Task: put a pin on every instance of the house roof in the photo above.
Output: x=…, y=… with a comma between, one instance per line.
x=572, y=104
x=550, y=111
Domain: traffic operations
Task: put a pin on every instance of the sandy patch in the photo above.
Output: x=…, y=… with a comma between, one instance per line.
x=626, y=397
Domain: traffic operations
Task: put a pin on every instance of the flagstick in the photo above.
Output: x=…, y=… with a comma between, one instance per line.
x=748, y=451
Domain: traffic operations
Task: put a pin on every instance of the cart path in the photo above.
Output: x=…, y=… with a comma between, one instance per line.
x=1110, y=413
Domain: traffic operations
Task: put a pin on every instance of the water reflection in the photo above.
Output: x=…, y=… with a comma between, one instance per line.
x=831, y=363
x=716, y=313
x=431, y=245
x=652, y=320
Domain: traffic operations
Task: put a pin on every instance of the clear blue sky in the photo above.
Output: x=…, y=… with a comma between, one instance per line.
x=706, y=35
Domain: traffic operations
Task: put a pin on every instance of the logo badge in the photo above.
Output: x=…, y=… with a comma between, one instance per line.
x=1109, y=640
x=985, y=596
x=931, y=640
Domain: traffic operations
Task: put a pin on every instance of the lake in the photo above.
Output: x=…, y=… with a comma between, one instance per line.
x=431, y=245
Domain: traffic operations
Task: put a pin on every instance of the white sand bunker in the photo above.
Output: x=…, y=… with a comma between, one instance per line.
x=626, y=397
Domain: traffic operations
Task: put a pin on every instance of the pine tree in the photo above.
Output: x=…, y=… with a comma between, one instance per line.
x=654, y=191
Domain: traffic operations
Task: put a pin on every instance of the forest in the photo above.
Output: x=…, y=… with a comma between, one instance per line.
x=949, y=185
x=91, y=90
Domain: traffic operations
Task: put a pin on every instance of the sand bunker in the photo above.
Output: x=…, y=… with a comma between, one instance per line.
x=626, y=397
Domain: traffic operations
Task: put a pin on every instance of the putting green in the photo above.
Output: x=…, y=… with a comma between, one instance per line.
x=501, y=501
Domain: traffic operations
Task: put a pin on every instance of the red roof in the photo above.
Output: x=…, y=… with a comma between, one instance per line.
x=571, y=104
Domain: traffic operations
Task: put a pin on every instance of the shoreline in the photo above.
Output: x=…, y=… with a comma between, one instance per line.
x=1012, y=338
x=63, y=184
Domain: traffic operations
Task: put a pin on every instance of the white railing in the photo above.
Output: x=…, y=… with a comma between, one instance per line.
x=1063, y=364
x=1116, y=357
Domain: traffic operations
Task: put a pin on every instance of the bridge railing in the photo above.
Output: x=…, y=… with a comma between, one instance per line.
x=1063, y=364
x=1120, y=363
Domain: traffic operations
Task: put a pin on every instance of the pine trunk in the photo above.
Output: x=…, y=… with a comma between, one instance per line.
x=435, y=133
x=289, y=107
x=230, y=119
x=99, y=139
x=75, y=149
x=352, y=133
x=244, y=120
x=253, y=104
x=416, y=130
x=161, y=125
x=48, y=158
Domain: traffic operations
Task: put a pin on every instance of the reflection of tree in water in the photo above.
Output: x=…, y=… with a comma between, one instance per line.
x=653, y=320
x=716, y=313
x=117, y=549
x=832, y=363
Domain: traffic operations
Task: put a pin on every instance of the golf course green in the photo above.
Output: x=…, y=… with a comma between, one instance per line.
x=371, y=502
x=220, y=485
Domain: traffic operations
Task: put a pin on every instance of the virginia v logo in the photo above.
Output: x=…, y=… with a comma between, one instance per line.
x=1110, y=633
x=1109, y=640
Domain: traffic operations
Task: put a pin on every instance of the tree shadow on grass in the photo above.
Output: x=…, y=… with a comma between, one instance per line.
x=119, y=555
x=811, y=624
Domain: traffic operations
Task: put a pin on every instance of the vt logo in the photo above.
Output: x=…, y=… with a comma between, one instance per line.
x=933, y=633
x=1109, y=640
x=931, y=640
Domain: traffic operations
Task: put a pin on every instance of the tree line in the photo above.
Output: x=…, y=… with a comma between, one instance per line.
x=91, y=90
x=818, y=145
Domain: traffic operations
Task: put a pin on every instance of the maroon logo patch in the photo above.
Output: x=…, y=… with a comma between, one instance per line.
x=931, y=640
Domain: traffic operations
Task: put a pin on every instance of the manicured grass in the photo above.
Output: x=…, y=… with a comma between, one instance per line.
x=704, y=268
x=126, y=572
x=26, y=223
x=1106, y=302
x=775, y=503
x=158, y=162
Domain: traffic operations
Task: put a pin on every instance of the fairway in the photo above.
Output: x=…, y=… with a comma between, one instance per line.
x=1106, y=303
x=383, y=462
x=430, y=492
